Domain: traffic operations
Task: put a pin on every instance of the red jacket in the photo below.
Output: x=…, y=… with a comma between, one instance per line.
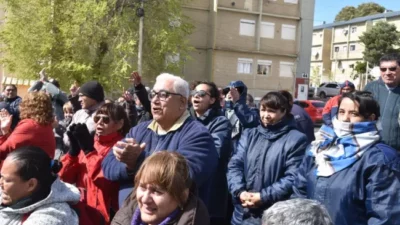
x=85, y=171
x=28, y=132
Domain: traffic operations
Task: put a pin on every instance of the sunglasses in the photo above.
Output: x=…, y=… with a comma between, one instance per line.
x=392, y=69
x=200, y=93
x=97, y=118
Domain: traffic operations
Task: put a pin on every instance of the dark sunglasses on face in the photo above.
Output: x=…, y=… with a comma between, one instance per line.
x=162, y=95
x=200, y=93
x=106, y=119
x=392, y=69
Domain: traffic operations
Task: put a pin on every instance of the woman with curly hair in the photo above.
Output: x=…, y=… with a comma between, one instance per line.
x=34, y=128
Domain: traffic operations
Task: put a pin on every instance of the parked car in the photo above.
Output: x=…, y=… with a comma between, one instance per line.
x=329, y=89
x=313, y=108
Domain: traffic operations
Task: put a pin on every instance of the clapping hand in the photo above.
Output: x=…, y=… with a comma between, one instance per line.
x=6, y=121
x=82, y=135
x=128, y=152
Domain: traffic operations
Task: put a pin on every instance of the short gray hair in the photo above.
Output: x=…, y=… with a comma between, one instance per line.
x=180, y=85
x=296, y=212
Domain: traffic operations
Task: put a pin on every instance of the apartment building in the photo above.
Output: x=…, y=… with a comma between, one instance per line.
x=336, y=47
x=264, y=43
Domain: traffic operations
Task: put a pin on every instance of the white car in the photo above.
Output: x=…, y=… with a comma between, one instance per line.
x=329, y=89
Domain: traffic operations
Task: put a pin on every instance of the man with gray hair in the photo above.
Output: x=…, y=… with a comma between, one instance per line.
x=296, y=212
x=172, y=129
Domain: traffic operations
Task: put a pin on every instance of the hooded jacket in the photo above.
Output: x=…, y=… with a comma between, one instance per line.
x=266, y=162
x=220, y=129
x=364, y=193
x=193, y=213
x=389, y=101
x=240, y=115
x=85, y=171
x=54, y=209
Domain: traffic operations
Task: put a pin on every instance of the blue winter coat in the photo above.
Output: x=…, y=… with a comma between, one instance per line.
x=304, y=123
x=367, y=192
x=240, y=115
x=389, y=101
x=192, y=140
x=220, y=129
x=13, y=109
x=266, y=161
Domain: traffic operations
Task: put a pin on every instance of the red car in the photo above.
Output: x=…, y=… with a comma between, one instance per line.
x=313, y=108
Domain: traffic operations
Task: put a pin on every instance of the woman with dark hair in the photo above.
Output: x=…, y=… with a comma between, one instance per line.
x=34, y=128
x=207, y=110
x=164, y=194
x=31, y=193
x=82, y=164
x=262, y=170
x=349, y=170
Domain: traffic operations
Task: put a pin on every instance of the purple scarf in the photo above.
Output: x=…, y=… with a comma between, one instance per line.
x=137, y=220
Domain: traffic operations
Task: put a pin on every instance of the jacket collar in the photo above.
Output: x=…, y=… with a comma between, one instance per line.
x=277, y=130
x=178, y=124
x=208, y=116
x=109, y=139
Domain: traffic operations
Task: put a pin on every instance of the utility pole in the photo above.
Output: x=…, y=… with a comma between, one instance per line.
x=140, y=14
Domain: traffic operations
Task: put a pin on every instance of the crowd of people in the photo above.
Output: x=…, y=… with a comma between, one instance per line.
x=198, y=154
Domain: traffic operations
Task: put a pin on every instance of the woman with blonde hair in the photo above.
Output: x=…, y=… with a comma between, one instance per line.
x=34, y=128
x=163, y=194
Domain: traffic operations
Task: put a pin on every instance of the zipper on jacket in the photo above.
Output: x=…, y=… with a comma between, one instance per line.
x=384, y=108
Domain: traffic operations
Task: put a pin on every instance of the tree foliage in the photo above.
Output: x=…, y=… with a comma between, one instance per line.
x=379, y=40
x=365, y=9
x=92, y=39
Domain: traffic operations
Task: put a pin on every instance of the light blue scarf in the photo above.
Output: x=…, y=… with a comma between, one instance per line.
x=342, y=145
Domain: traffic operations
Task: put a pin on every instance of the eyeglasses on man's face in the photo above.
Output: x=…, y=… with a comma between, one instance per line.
x=163, y=95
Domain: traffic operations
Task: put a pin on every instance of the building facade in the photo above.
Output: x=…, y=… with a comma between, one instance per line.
x=336, y=47
x=264, y=43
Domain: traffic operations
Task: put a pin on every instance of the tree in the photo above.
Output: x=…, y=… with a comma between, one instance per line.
x=365, y=9
x=379, y=40
x=347, y=13
x=316, y=75
x=92, y=39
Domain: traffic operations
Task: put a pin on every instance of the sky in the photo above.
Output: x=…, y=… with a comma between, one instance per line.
x=326, y=10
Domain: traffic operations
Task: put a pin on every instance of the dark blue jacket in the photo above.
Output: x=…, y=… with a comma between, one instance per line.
x=192, y=140
x=367, y=192
x=304, y=123
x=389, y=102
x=13, y=109
x=266, y=161
x=241, y=116
x=220, y=129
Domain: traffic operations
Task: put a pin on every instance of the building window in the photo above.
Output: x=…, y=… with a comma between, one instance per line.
x=264, y=67
x=267, y=30
x=352, y=48
x=353, y=29
x=286, y=69
x=288, y=32
x=291, y=1
x=344, y=48
x=337, y=49
x=244, y=65
x=247, y=27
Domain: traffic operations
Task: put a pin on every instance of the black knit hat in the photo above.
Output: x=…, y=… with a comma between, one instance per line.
x=92, y=89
